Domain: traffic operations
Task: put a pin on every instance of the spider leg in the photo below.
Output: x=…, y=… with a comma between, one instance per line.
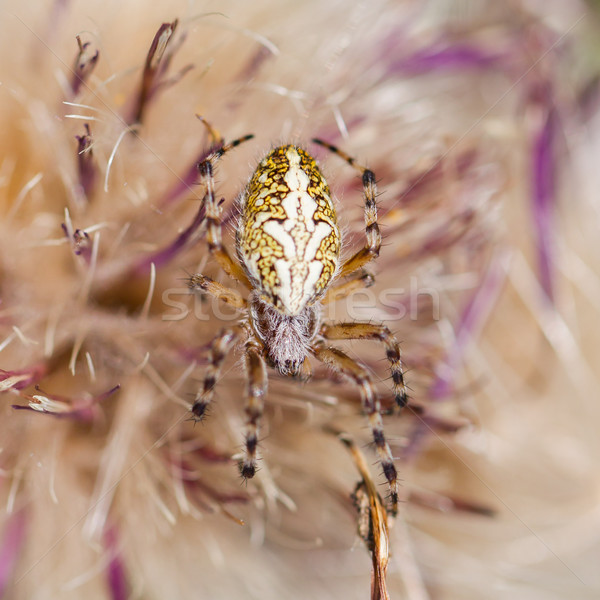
x=256, y=371
x=373, y=242
x=340, y=361
x=380, y=333
x=213, y=227
x=219, y=348
x=218, y=141
x=213, y=210
x=201, y=283
x=341, y=289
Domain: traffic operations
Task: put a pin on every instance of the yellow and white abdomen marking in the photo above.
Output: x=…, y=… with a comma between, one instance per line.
x=288, y=238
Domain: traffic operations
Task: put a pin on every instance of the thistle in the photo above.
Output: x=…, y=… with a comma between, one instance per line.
x=472, y=119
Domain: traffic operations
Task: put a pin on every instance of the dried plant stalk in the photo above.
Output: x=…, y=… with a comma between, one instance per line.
x=372, y=521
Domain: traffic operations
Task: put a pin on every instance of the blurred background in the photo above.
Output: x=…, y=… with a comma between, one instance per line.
x=480, y=121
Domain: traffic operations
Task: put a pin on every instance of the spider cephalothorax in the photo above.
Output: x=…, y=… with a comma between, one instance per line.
x=286, y=338
x=288, y=248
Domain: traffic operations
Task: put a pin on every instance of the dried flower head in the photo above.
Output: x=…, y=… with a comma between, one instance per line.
x=480, y=121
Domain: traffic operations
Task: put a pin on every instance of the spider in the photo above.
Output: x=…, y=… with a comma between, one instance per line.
x=288, y=256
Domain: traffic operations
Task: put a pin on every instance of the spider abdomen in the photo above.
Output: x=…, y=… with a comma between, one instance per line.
x=288, y=239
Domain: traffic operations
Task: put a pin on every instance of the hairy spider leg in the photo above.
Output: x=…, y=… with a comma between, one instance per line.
x=342, y=288
x=340, y=361
x=204, y=284
x=380, y=333
x=214, y=211
x=373, y=242
x=219, y=348
x=256, y=372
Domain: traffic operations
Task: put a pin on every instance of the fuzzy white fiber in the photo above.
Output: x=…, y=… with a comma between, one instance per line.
x=480, y=122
